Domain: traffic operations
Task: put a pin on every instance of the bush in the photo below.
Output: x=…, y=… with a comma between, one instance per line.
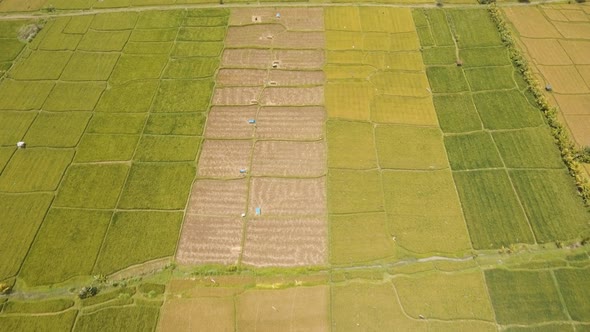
x=87, y=292
x=5, y=288
x=27, y=32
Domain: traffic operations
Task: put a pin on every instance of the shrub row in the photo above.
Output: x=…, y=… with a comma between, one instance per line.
x=569, y=153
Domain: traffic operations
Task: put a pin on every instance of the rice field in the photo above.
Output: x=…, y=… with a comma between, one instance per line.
x=322, y=167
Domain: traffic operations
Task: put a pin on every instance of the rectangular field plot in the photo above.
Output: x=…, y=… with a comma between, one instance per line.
x=574, y=286
x=107, y=147
x=148, y=47
x=41, y=65
x=191, y=68
x=349, y=100
x=202, y=49
x=301, y=308
x=551, y=204
x=286, y=242
x=160, y=19
x=486, y=78
x=175, y=124
x=207, y=239
x=92, y=186
x=240, y=77
x=384, y=19
x=300, y=159
x=116, y=123
x=90, y=66
x=425, y=193
x=183, y=96
x=35, y=170
x=372, y=306
x=78, y=24
x=236, y=96
x=22, y=216
x=440, y=56
x=23, y=95
x=74, y=96
x=62, y=129
x=475, y=28
x=528, y=148
x=296, y=78
x=133, y=97
x=439, y=27
x=167, y=148
x=401, y=83
x=447, y=79
x=280, y=196
x=5, y=155
x=57, y=322
x=359, y=238
x=200, y=34
x=351, y=145
x=354, y=191
x=232, y=122
x=403, y=110
x=506, y=110
x=430, y=234
x=483, y=57
x=287, y=96
x=137, y=237
x=157, y=186
x=565, y=79
x=219, y=197
x=14, y=125
x=209, y=313
x=104, y=41
x=531, y=298
x=472, y=151
x=411, y=60
x=114, y=21
x=224, y=158
x=492, y=210
x=153, y=35
x=297, y=123
x=246, y=58
x=456, y=113
x=342, y=18
x=126, y=318
x=76, y=234
x=407, y=147
x=458, y=296
x=132, y=67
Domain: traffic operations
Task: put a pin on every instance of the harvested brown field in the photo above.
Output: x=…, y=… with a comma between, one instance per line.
x=292, y=96
x=241, y=77
x=296, y=197
x=564, y=79
x=574, y=15
x=295, y=77
x=294, y=19
x=585, y=73
x=554, y=14
x=219, y=197
x=579, y=125
x=230, y=122
x=578, y=50
x=574, y=104
x=300, y=59
x=573, y=30
x=303, y=123
x=257, y=35
x=299, y=309
x=236, y=95
x=546, y=51
x=206, y=239
x=247, y=58
x=300, y=40
x=530, y=22
x=279, y=158
x=205, y=313
x=286, y=242
x=224, y=158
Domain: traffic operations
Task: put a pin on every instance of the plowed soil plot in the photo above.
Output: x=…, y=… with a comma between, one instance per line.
x=259, y=35
x=205, y=314
x=224, y=158
x=219, y=197
x=246, y=58
x=236, y=96
x=241, y=77
x=285, y=242
x=272, y=158
x=303, y=123
x=299, y=59
x=300, y=40
x=292, y=96
x=210, y=240
x=230, y=122
x=290, y=77
x=288, y=196
x=294, y=19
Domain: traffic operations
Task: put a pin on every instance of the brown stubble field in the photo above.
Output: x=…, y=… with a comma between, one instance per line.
x=261, y=187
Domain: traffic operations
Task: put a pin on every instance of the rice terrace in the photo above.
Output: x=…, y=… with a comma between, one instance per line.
x=227, y=165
